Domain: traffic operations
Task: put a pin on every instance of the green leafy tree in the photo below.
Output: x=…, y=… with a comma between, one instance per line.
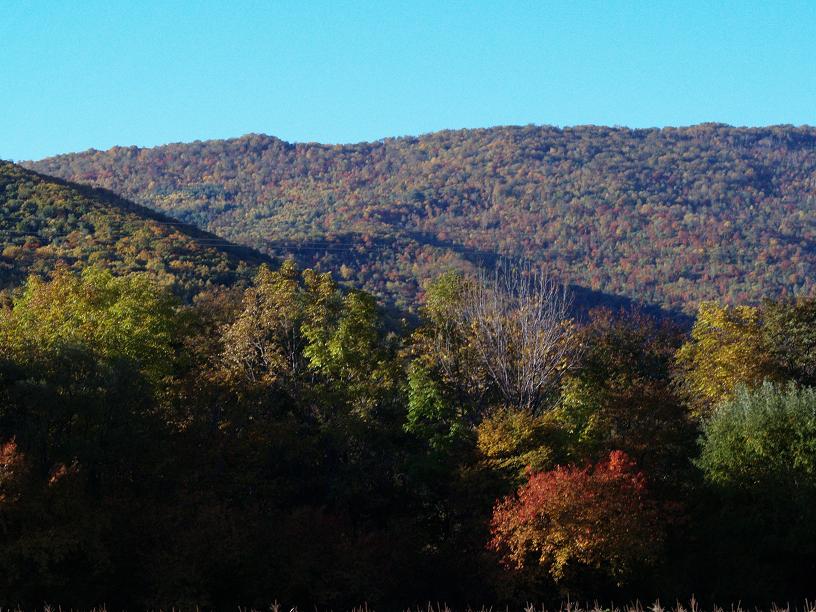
x=758, y=456
x=447, y=386
x=430, y=415
x=127, y=318
x=763, y=438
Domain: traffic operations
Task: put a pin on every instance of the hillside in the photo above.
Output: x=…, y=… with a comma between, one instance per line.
x=44, y=221
x=669, y=216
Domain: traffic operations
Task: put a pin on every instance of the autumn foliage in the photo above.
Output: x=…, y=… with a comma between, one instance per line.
x=12, y=464
x=673, y=216
x=45, y=222
x=288, y=441
x=571, y=518
x=183, y=427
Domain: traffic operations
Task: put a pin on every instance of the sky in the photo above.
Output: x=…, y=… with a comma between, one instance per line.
x=94, y=74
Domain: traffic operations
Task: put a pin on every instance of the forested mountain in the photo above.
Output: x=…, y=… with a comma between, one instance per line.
x=284, y=441
x=668, y=216
x=44, y=221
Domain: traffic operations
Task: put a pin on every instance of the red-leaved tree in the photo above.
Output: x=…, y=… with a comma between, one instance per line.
x=571, y=519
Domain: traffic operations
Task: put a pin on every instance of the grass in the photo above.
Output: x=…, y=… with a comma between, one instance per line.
x=693, y=606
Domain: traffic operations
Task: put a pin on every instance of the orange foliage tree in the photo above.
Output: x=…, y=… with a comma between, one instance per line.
x=571, y=519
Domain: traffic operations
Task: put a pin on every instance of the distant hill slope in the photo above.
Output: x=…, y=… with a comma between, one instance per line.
x=669, y=216
x=44, y=221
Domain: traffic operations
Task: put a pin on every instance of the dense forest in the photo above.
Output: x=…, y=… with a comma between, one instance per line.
x=280, y=442
x=666, y=216
x=44, y=221
x=189, y=423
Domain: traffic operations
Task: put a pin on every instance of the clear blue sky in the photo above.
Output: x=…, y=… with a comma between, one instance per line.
x=75, y=75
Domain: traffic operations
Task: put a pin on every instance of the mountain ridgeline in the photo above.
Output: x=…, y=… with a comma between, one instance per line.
x=664, y=216
x=46, y=221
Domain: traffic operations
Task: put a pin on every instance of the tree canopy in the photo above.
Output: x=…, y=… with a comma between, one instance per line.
x=672, y=216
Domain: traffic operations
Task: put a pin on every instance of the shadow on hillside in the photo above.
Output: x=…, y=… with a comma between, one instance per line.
x=351, y=248
x=584, y=298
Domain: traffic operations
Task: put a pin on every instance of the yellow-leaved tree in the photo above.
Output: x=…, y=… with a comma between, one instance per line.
x=725, y=352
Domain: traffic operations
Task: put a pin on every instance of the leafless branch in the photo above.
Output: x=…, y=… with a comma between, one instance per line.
x=518, y=320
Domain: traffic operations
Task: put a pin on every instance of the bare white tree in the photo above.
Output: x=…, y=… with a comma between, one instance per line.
x=518, y=320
